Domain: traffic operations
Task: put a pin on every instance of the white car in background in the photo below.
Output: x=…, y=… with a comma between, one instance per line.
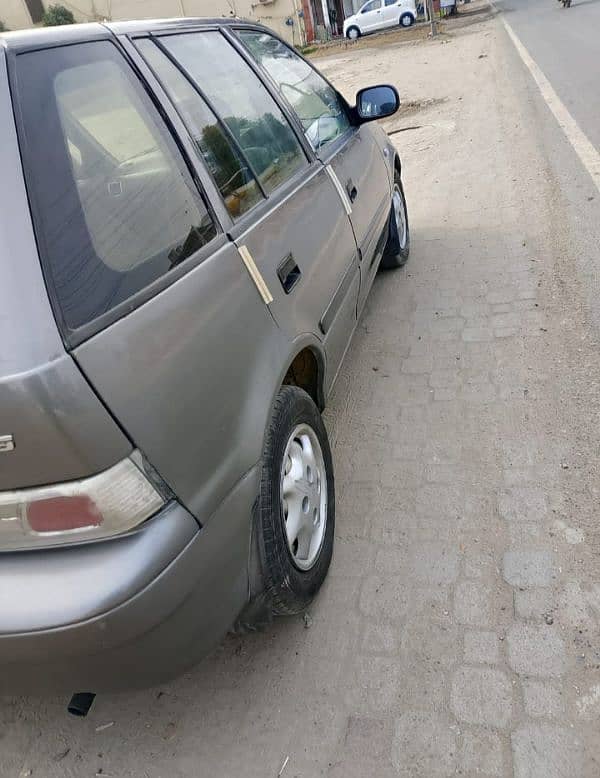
x=378, y=15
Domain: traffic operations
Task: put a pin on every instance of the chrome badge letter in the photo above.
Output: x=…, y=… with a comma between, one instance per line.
x=7, y=443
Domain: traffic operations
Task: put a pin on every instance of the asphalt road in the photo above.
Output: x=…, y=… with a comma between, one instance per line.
x=566, y=46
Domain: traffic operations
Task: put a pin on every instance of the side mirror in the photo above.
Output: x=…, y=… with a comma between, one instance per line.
x=376, y=102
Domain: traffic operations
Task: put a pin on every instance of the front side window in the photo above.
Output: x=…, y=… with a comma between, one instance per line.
x=229, y=169
x=316, y=104
x=115, y=205
x=243, y=103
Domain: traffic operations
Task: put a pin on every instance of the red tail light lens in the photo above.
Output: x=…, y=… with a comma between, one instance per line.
x=107, y=504
x=61, y=514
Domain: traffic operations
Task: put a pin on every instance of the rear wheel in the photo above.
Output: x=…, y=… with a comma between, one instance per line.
x=397, y=249
x=296, y=509
x=407, y=20
x=353, y=33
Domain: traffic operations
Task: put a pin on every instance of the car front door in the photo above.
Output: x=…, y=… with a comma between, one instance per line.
x=351, y=154
x=287, y=217
x=371, y=16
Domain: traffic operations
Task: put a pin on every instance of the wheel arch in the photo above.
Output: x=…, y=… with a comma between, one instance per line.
x=306, y=369
x=397, y=164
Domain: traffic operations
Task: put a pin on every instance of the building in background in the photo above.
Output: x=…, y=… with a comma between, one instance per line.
x=285, y=17
x=17, y=14
x=324, y=19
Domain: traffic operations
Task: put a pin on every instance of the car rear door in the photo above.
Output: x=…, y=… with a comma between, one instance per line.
x=296, y=241
x=350, y=153
x=152, y=297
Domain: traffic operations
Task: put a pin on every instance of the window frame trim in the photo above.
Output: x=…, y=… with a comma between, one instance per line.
x=73, y=337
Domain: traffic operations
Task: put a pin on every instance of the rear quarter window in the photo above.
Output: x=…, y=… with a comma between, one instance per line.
x=114, y=204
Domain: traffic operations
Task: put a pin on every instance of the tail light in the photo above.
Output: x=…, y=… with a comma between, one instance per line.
x=107, y=504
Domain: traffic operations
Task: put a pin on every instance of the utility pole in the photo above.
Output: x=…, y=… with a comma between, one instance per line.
x=430, y=13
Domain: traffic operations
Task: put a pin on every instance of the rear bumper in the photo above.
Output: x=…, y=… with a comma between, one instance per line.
x=128, y=612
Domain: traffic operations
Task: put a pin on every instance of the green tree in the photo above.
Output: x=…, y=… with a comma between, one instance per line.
x=57, y=15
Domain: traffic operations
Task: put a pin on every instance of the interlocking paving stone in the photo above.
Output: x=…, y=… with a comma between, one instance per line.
x=545, y=751
x=482, y=648
x=543, y=699
x=473, y=603
x=424, y=745
x=528, y=568
x=481, y=753
x=481, y=695
x=536, y=650
x=526, y=503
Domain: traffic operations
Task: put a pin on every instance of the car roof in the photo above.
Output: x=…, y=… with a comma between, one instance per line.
x=42, y=37
x=45, y=36
x=152, y=25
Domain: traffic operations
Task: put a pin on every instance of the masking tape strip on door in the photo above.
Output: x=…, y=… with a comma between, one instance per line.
x=340, y=189
x=255, y=275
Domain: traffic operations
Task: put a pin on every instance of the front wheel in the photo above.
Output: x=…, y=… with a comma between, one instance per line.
x=296, y=509
x=407, y=20
x=353, y=33
x=397, y=248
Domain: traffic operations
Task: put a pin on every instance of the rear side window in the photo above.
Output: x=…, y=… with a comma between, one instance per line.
x=116, y=208
x=241, y=100
x=317, y=105
x=231, y=172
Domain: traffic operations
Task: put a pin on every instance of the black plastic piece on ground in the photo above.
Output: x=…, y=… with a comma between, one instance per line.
x=81, y=703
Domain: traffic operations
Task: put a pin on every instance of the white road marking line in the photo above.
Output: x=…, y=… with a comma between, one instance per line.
x=584, y=148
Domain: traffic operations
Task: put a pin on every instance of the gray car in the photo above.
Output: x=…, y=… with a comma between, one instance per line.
x=191, y=218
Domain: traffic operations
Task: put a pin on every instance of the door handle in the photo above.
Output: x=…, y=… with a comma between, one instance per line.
x=352, y=191
x=288, y=273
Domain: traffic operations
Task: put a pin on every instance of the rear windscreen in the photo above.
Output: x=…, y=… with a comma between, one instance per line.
x=114, y=205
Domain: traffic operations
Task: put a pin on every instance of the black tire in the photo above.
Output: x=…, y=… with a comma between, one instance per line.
x=395, y=254
x=407, y=20
x=288, y=590
x=353, y=28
